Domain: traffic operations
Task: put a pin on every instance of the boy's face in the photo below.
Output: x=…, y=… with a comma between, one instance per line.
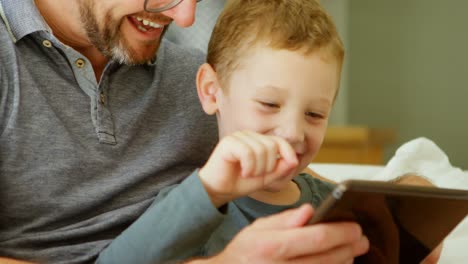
x=282, y=93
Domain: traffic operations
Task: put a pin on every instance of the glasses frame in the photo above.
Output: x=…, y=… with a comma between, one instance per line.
x=172, y=4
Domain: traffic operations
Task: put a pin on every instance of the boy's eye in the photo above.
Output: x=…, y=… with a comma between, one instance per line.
x=314, y=115
x=270, y=105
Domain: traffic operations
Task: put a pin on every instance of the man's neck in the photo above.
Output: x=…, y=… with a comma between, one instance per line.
x=96, y=58
x=69, y=30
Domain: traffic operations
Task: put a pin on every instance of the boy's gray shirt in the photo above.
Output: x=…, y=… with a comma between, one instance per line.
x=243, y=211
x=80, y=161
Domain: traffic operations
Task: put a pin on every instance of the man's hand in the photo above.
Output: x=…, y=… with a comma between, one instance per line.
x=413, y=179
x=245, y=162
x=13, y=261
x=283, y=238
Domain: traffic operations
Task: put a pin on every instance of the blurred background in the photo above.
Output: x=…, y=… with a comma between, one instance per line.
x=407, y=69
x=405, y=72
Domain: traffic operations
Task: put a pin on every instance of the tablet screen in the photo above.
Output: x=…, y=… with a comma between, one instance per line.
x=403, y=223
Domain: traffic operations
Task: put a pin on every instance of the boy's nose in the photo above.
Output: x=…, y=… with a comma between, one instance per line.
x=291, y=131
x=183, y=14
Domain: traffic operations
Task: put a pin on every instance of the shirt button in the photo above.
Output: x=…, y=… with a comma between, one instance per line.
x=47, y=43
x=102, y=98
x=80, y=63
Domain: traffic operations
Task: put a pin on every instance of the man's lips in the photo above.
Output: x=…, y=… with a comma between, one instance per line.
x=144, y=25
x=147, y=30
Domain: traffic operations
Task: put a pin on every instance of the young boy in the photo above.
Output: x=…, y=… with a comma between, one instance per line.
x=272, y=75
x=271, y=78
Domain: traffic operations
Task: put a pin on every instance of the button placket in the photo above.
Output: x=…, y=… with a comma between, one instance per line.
x=100, y=115
x=105, y=122
x=102, y=98
x=80, y=63
x=46, y=43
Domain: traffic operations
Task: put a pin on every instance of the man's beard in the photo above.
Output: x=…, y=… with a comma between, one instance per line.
x=110, y=41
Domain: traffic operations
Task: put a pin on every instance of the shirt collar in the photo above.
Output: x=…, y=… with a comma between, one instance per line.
x=22, y=18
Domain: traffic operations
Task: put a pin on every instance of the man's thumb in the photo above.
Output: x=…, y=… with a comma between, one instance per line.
x=291, y=218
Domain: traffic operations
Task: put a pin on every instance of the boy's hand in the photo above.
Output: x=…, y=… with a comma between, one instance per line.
x=245, y=162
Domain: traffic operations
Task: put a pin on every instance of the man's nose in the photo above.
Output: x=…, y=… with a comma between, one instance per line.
x=183, y=14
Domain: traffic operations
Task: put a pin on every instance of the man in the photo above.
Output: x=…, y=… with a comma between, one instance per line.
x=97, y=116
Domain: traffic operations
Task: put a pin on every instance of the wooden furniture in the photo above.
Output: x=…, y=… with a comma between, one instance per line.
x=355, y=145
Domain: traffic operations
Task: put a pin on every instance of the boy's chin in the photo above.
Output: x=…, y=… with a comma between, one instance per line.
x=281, y=185
x=274, y=188
x=277, y=186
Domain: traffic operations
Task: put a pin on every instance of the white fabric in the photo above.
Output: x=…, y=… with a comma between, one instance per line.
x=338, y=172
x=422, y=157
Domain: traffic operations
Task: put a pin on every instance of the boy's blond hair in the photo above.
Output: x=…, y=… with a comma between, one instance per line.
x=295, y=25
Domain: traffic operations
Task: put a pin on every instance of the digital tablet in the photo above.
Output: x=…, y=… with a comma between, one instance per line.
x=404, y=223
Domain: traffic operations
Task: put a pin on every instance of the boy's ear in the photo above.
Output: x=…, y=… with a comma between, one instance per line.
x=207, y=87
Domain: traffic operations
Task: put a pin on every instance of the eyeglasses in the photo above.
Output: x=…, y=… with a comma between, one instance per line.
x=156, y=6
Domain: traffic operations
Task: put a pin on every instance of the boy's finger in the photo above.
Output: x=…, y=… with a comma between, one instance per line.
x=281, y=170
x=253, y=140
x=271, y=148
x=237, y=151
x=286, y=151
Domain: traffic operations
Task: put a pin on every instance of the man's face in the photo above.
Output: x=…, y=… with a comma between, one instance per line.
x=282, y=93
x=121, y=30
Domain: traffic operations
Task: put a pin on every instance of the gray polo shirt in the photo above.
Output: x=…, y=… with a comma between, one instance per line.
x=80, y=161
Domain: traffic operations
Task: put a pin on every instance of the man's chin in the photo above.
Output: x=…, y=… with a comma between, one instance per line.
x=141, y=59
x=136, y=54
